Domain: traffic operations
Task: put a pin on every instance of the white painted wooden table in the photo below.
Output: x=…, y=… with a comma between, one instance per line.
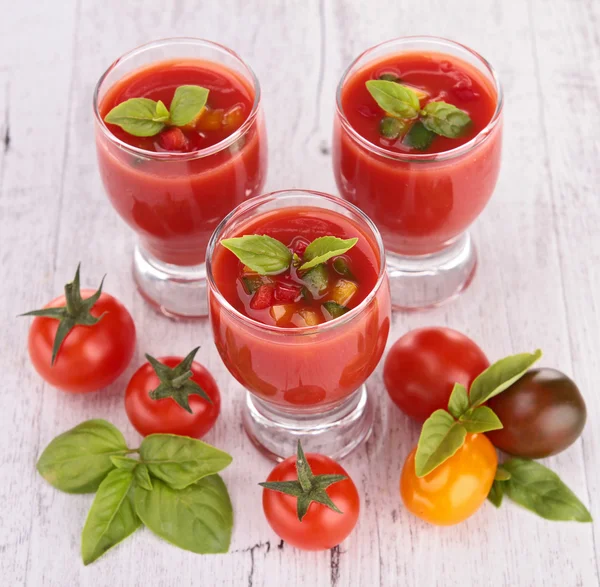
x=538, y=283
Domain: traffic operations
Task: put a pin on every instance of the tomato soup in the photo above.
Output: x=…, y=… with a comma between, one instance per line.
x=174, y=195
x=420, y=199
x=320, y=333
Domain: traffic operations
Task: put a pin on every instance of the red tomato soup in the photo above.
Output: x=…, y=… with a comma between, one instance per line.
x=314, y=366
x=419, y=199
x=175, y=194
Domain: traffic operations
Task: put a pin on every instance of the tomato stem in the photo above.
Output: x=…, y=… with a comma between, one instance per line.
x=308, y=487
x=177, y=382
x=76, y=311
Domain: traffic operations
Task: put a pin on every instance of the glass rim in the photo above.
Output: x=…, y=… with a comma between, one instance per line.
x=479, y=138
x=216, y=148
x=257, y=201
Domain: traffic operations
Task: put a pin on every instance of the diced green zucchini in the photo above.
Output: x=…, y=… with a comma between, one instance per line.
x=252, y=283
x=316, y=279
x=334, y=309
x=342, y=267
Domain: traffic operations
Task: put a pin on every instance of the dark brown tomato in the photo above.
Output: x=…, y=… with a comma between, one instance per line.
x=543, y=413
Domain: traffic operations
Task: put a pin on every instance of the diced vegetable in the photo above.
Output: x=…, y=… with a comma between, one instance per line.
x=287, y=292
x=210, y=120
x=252, y=283
x=306, y=317
x=263, y=298
x=342, y=267
x=234, y=117
x=282, y=313
x=334, y=310
x=421, y=94
x=343, y=292
x=316, y=279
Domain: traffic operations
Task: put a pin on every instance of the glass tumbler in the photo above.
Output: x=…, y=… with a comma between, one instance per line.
x=422, y=203
x=304, y=383
x=175, y=200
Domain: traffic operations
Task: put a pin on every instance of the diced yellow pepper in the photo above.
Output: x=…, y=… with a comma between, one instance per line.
x=305, y=317
x=282, y=313
x=343, y=292
x=233, y=118
x=210, y=119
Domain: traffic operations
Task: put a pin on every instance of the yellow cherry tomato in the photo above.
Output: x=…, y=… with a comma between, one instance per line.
x=456, y=489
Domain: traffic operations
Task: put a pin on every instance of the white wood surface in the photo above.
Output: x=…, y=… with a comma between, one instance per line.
x=537, y=284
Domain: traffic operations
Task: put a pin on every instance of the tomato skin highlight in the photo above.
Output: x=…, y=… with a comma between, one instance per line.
x=543, y=413
x=423, y=365
x=321, y=528
x=456, y=489
x=166, y=416
x=90, y=357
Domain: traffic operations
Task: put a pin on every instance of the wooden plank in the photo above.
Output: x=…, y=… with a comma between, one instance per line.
x=536, y=285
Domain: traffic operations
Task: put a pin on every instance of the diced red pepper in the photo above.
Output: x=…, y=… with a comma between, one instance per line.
x=299, y=246
x=173, y=139
x=263, y=298
x=287, y=292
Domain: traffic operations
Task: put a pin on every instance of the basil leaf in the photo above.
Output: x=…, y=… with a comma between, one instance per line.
x=440, y=438
x=393, y=98
x=496, y=493
x=418, y=137
x=162, y=113
x=187, y=103
x=458, y=403
x=324, y=248
x=141, y=477
x=261, y=253
x=481, y=419
x=500, y=376
x=111, y=518
x=125, y=463
x=78, y=460
x=501, y=474
x=136, y=116
x=445, y=119
x=198, y=518
x=181, y=461
x=540, y=490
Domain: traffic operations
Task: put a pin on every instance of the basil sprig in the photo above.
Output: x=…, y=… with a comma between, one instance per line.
x=402, y=103
x=142, y=117
x=537, y=489
x=268, y=256
x=444, y=431
x=173, y=488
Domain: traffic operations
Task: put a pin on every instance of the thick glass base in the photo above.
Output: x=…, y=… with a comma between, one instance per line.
x=428, y=280
x=334, y=433
x=177, y=291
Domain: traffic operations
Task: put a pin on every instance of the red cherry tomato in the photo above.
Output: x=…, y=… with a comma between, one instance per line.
x=90, y=357
x=321, y=528
x=423, y=366
x=166, y=416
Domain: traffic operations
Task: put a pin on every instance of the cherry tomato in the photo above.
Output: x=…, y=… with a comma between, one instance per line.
x=423, y=366
x=543, y=413
x=166, y=416
x=321, y=528
x=456, y=489
x=90, y=357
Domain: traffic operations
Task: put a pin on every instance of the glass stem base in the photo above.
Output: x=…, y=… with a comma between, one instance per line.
x=177, y=291
x=334, y=433
x=424, y=281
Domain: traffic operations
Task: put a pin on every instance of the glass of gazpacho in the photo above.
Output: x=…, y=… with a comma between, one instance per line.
x=300, y=309
x=416, y=146
x=181, y=142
